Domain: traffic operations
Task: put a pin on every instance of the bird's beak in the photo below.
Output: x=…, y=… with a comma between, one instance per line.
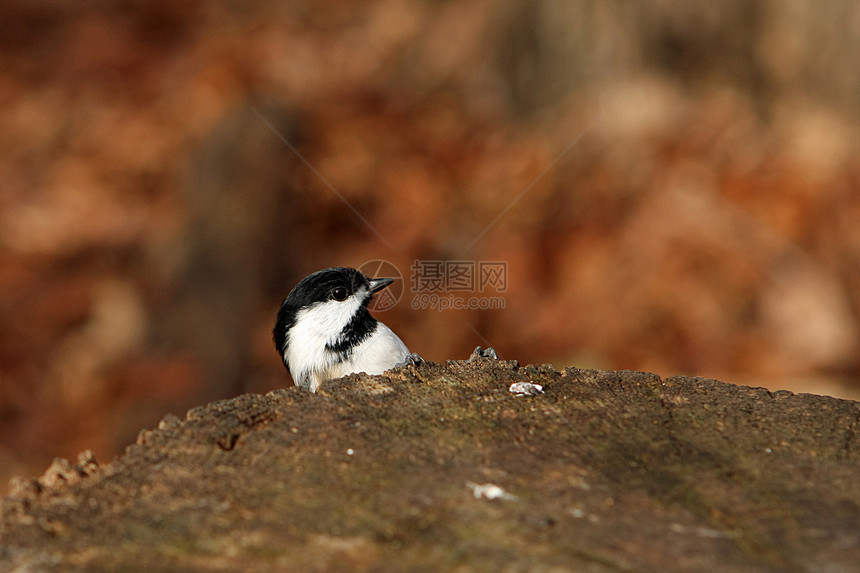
x=379, y=284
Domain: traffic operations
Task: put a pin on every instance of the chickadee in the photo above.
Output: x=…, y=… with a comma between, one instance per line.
x=325, y=331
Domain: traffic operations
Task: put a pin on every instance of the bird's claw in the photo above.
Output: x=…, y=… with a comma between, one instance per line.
x=413, y=359
x=478, y=353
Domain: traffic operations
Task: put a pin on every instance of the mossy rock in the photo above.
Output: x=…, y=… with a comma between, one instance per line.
x=603, y=471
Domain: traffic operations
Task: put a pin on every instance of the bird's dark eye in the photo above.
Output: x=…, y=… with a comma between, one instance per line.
x=339, y=293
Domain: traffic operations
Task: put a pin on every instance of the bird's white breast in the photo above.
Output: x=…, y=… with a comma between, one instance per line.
x=377, y=353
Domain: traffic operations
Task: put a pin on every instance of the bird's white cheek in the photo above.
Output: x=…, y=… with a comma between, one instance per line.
x=324, y=321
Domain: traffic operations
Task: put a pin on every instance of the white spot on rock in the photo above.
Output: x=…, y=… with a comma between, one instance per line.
x=525, y=389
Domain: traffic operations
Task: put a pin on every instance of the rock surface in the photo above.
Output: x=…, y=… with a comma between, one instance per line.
x=441, y=468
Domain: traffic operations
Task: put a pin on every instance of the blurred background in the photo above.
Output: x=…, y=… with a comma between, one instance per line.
x=673, y=186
